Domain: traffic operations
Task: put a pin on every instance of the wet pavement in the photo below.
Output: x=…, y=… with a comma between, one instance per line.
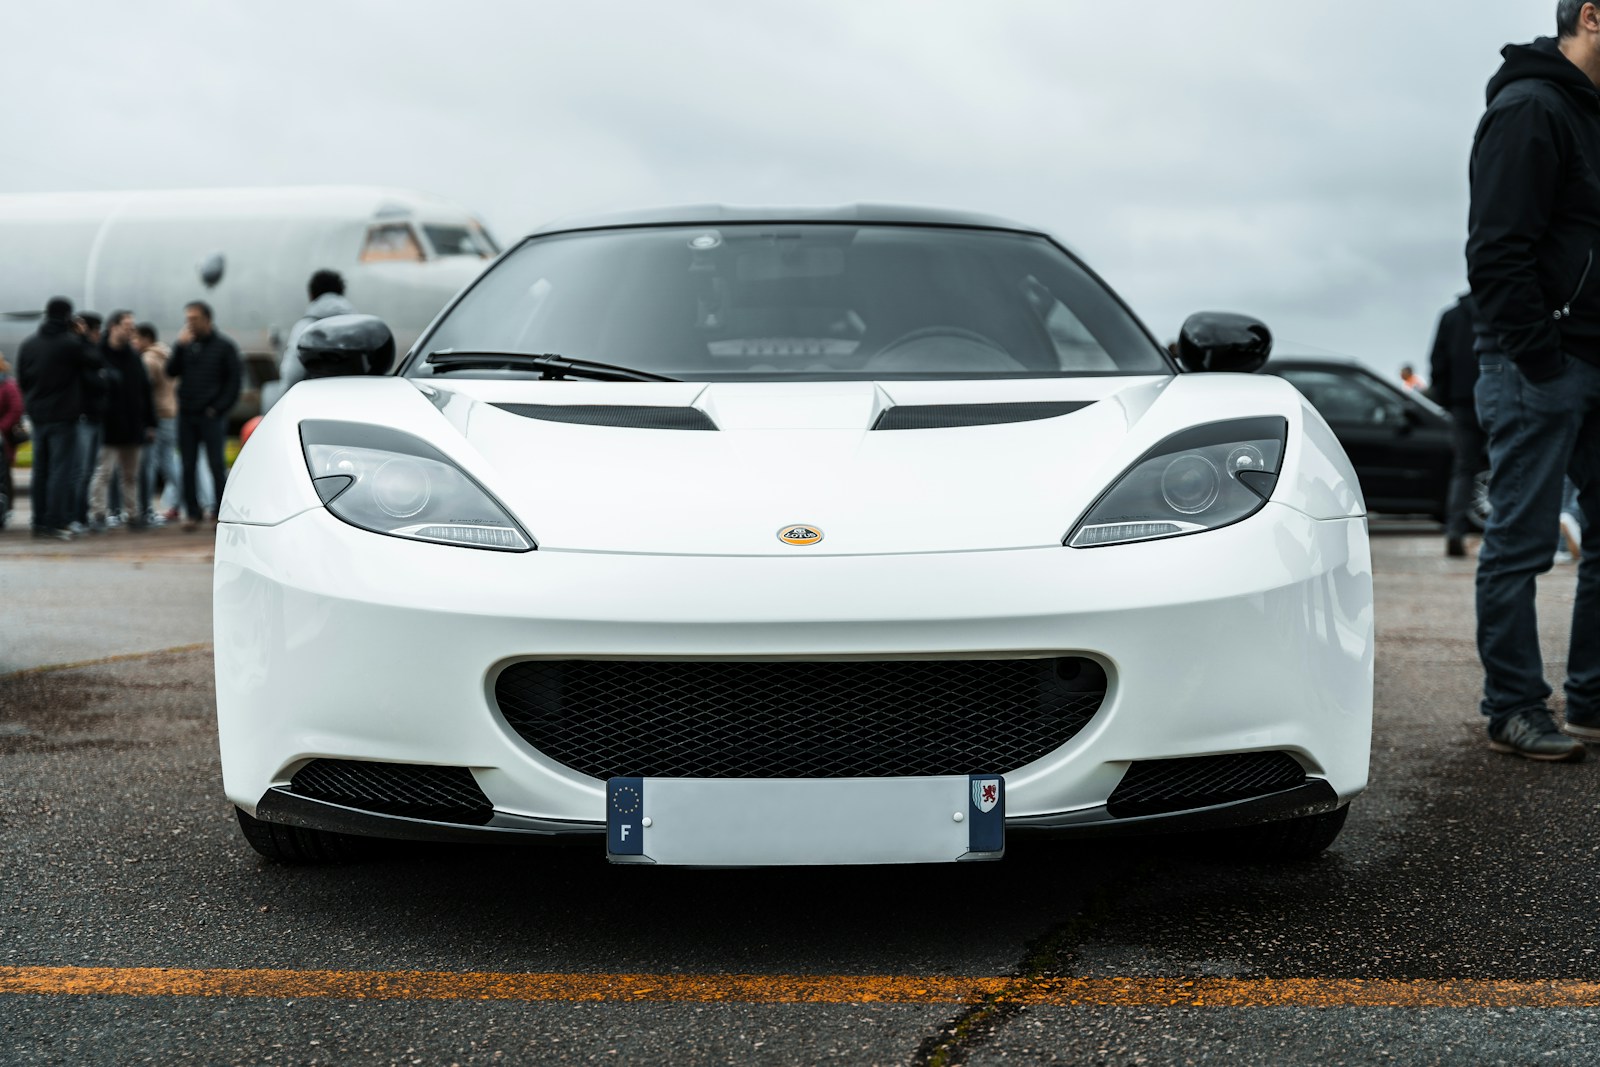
x=1460, y=869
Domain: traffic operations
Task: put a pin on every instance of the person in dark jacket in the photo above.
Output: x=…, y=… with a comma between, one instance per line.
x=1534, y=236
x=206, y=364
x=50, y=368
x=1454, y=369
x=130, y=423
x=91, y=426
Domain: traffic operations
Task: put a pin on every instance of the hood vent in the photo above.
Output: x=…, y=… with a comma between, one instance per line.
x=947, y=416
x=627, y=416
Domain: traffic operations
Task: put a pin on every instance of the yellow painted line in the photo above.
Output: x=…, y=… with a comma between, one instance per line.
x=120, y=658
x=798, y=989
x=449, y=985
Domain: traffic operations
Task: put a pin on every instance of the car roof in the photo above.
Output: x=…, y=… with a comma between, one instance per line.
x=724, y=214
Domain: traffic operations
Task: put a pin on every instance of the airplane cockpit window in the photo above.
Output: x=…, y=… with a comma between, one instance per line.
x=391, y=242
x=452, y=240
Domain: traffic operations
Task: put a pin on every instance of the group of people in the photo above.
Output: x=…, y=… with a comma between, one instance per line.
x=112, y=411
x=119, y=422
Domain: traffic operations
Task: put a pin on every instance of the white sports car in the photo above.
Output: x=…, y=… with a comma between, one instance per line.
x=739, y=537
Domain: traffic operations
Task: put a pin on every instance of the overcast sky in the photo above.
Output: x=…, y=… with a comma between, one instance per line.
x=1303, y=162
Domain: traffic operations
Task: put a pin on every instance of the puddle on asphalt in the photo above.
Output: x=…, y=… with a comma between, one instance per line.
x=56, y=711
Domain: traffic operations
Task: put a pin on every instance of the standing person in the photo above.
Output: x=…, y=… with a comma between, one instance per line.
x=130, y=424
x=10, y=418
x=206, y=364
x=1454, y=366
x=161, y=455
x=103, y=505
x=161, y=459
x=1414, y=382
x=91, y=424
x=50, y=369
x=326, y=289
x=1534, y=227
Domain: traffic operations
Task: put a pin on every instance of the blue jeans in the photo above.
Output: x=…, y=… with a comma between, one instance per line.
x=160, y=457
x=91, y=435
x=55, y=474
x=1539, y=434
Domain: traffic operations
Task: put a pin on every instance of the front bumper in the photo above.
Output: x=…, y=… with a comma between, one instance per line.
x=336, y=643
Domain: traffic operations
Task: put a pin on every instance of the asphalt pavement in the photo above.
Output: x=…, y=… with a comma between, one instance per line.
x=1451, y=923
x=127, y=591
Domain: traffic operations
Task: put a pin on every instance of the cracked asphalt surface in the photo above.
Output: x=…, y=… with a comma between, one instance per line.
x=116, y=850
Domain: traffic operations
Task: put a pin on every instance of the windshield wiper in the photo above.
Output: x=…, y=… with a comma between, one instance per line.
x=552, y=366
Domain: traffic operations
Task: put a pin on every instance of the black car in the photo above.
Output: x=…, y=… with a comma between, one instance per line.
x=1399, y=441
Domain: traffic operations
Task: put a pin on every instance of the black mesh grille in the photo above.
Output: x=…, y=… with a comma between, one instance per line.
x=443, y=794
x=1154, y=786
x=945, y=416
x=699, y=719
x=627, y=416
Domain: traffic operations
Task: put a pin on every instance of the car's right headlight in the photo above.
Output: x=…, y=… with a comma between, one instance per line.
x=1198, y=479
x=392, y=483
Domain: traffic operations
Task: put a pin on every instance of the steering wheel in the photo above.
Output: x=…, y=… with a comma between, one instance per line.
x=968, y=350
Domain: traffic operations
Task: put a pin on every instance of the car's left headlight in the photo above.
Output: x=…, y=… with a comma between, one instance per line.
x=392, y=483
x=1196, y=480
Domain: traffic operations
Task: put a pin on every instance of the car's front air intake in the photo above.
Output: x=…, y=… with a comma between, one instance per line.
x=1155, y=787
x=442, y=794
x=623, y=416
x=795, y=719
x=950, y=416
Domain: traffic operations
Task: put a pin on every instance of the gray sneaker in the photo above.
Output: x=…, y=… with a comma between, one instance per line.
x=1532, y=734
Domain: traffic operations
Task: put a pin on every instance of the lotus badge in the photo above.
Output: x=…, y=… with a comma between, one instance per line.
x=799, y=534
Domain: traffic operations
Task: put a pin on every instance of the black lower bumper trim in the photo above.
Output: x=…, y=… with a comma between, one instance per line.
x=282, y=806
x=1309, y=798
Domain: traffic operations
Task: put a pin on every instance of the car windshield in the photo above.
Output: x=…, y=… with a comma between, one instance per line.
x=756, y=302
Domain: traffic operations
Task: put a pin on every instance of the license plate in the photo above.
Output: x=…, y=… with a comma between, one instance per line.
x=757, y=822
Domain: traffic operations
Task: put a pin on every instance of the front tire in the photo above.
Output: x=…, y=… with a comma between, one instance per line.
x=1289, y=840
x=297, y=845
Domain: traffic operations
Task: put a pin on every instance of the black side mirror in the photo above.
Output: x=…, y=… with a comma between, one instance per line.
x=343, y=345
x=1223, y=341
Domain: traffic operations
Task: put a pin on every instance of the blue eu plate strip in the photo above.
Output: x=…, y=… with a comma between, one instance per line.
x=986, y=813
x=625, y=816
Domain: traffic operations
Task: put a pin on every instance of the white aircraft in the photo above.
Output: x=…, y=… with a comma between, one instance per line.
x=247, y=252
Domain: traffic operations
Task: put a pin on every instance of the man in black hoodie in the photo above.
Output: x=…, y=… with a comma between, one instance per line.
x=1532, y=246
x=50, y=369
